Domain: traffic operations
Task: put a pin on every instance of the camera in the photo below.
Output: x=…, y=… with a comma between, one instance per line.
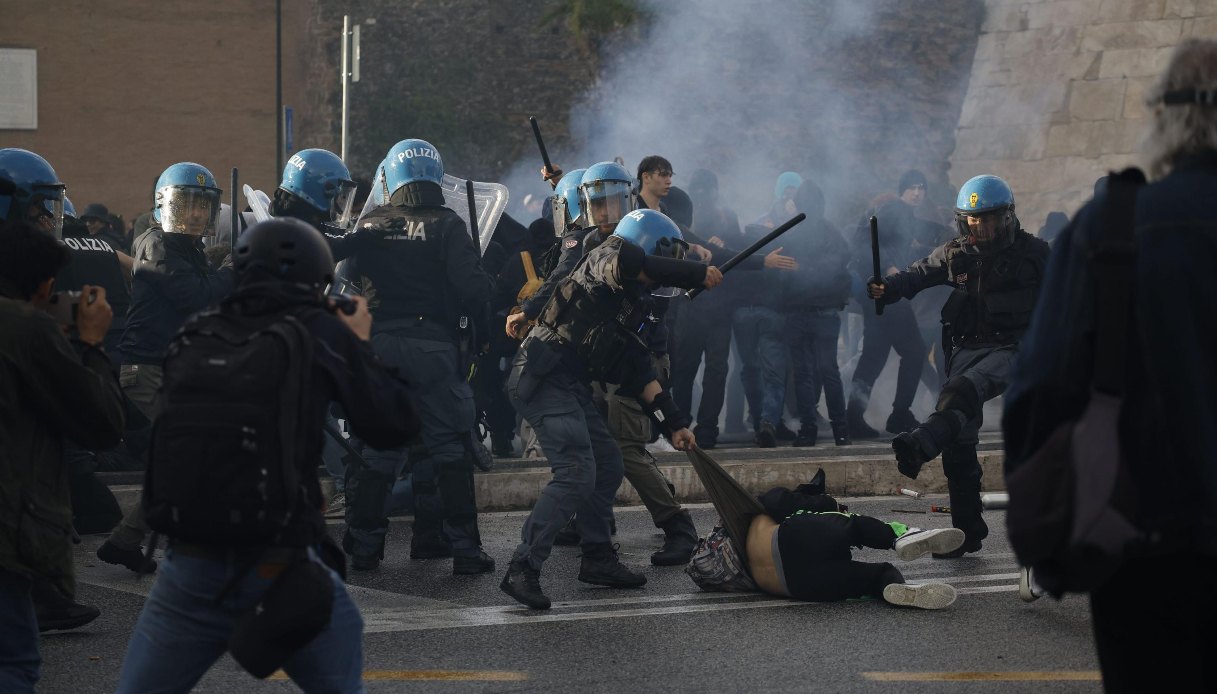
x=63, y=306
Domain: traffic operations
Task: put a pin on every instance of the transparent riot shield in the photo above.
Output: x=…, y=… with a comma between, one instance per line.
x=259, y=202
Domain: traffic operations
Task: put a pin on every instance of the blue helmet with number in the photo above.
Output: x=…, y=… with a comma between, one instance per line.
x=567, y=211
x=984, y=213
x=187, y=200
x=412, y=161
x=652, y=231
x=321, y=179
x=606, y=193
x=27, y=182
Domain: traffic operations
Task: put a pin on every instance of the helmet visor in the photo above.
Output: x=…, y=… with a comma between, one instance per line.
x=606, y=202
x=983, y=230
x=46, y=209
x=343, y=204
x=189, y=210
x=559, y=213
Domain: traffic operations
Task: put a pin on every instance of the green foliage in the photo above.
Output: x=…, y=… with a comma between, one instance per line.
x=588, y=21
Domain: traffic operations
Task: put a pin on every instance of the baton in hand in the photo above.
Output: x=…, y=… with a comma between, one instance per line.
x=234, y=215
x=743, y=255
x=536, y=132
x=473, y=218
x=874, y=256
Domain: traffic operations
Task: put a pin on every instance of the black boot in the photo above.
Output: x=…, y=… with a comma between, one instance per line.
x=503, y=446
x=56, y=611
x=806, y=437
x=921, y=445
x=601, y=567
x=783, y=432
x=680, y=539
x=856, y=421
x=133, y=559
x=480, y=563
x=967, y=513
x=840, y=434
x=523, y=583
x=706, y=435
x=766, y=435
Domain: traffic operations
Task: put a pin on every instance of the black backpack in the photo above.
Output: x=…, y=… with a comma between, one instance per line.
x=225, y=462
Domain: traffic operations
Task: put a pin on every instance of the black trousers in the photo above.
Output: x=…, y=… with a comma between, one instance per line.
x=896, y=329
x=701, y=330
x=1153, y=625
x=818, y=564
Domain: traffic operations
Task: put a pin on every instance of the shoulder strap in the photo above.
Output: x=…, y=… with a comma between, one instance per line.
x=1114, y=261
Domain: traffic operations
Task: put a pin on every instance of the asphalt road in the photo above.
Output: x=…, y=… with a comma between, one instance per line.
x=429, y=631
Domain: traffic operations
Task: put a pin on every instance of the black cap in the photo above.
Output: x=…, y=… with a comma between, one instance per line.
x=97, y=211
x=911, y=178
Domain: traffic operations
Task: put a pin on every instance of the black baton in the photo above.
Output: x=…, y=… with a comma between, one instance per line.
x=233, y=214
x=874, y=256
x=536, y=132
x=743, y=255
x=473, y=218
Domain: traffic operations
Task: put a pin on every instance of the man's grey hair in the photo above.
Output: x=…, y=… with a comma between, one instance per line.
x=1177, y=130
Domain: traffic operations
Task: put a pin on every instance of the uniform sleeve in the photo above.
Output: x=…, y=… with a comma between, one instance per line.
x=188, y=287
x=571, y=253
x=930, y=271
x=78, y=390
x=472, y=285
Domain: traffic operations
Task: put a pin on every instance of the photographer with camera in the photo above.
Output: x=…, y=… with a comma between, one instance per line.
x=249, y=568
x=51, y=389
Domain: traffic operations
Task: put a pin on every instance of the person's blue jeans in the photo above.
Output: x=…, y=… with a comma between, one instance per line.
x=813, y=349
x=20, y=663
x=332, y=454
x=759, y=335
x=181, y=631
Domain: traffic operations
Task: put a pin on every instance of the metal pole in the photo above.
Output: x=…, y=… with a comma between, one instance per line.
x=346, y=74
x=278, y=89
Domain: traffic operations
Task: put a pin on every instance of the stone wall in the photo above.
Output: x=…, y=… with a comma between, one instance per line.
x=1055, y=99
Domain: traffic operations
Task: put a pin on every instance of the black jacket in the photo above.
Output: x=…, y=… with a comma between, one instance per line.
x=822, y=279
x=420, y=262
x=94, y=260
x=346, y=371
x=172, y=281
x=1170, y=403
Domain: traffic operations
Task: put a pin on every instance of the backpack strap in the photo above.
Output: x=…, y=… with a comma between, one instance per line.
x=1115, y=260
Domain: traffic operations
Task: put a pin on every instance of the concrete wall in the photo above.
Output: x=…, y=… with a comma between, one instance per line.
x=1055, y=99
x=128, y=87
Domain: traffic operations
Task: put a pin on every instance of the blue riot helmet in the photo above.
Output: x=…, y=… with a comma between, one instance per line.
x=413, y=163
x=320, y=179
x=606, y=193
x=30, y=190
x=652, y=231
x=187, y=200
x=567, y=211
x=984, y=212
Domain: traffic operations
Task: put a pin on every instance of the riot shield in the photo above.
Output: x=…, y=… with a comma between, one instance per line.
x=259, y=202
x=490, y=198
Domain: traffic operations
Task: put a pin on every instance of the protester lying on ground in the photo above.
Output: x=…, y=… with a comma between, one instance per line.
x=800, y=548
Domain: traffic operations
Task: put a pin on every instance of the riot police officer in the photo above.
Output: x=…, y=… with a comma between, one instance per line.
x=30, y=191
x=595, y=328
x=420, y=258
x=316, y=188
x=172, y=281
x=995, y=268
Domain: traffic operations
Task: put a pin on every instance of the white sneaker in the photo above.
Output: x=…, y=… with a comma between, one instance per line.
x=927, y=596
x=1027, y=590
x=918, y=543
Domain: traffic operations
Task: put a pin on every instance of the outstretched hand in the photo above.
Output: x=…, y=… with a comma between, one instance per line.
x=775, y=260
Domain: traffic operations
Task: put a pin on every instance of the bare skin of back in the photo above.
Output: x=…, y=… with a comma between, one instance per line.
x=760, y=550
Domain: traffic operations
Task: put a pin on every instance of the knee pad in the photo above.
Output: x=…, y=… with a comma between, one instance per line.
x=960, y=394
x=366, y=494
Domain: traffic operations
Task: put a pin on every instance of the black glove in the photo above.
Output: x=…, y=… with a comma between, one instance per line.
x=663, y=408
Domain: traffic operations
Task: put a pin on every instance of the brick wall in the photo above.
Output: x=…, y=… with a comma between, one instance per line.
x=1055, y=98
x=128, y=87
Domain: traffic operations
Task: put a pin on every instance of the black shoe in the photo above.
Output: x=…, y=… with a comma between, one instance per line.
x=806, y=437
x=900, y=421
x=601, y=567
x=481, y=563
x=568, y=536
x=133, y=559
x=840, y=434
x=502, y=448
x=524, y=584
x=909, y=457
x=766, y=435
x=857, y=426
x=784, y=433
x=680, y=539
x=968, y=547
x=364, y=562
x=56, y=611
x=707, y=436
x=430, y=546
